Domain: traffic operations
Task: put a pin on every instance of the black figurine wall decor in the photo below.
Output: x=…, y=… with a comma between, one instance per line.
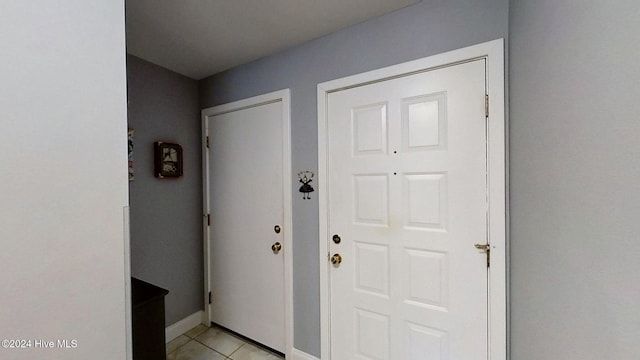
x=305, y=177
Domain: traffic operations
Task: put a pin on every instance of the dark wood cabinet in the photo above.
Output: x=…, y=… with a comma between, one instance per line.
x=147, y=311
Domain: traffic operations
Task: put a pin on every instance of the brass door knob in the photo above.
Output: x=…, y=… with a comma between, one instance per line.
x=276, y=247
x=336, y=259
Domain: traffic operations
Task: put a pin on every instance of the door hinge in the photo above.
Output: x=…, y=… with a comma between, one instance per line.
x=488, y=258
x=209, y=297
x=207, y=141
x=208, y=219
x=486, y=106
x=487, y=250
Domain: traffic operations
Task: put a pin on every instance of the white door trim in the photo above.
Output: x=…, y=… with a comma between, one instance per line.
x=276, y=96
x=493, y=52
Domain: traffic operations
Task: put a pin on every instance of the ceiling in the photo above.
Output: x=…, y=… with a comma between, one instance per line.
x=198, y=38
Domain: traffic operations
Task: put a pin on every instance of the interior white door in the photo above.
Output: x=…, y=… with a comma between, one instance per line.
x=246, y=204
x=407, y=188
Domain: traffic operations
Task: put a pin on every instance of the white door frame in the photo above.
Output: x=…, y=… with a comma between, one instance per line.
x=282, y=96
x=493, y=52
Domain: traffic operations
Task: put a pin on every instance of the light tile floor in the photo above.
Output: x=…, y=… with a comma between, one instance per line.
x=202, y=343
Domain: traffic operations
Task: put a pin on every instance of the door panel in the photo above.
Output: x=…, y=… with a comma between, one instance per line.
x=246, y=202
x=408, y=197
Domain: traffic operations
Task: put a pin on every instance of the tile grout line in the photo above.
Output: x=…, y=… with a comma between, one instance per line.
x=226, y=357
x=236, y=350
x=176, y=349
x=205, y=345
x=209, y=347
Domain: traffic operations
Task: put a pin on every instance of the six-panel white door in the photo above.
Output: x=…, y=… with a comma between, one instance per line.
x=408, y=199
x=246, y=203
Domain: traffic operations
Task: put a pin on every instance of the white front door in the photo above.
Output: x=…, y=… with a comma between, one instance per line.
x=407, y=202
x=246, y=203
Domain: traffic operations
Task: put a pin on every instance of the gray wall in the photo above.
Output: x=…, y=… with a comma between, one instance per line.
x=573, y=158
x=575, y=170
x=166, y=215
x=424, y=29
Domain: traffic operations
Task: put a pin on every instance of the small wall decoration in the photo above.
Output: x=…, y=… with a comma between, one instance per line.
x=130, y=141
x=168, y=159
x=305, y=177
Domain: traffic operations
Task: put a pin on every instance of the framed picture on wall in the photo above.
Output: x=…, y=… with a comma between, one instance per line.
x=168, y=160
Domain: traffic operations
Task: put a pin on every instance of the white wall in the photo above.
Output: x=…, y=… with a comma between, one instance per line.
x=63, y=177
x=575, y=188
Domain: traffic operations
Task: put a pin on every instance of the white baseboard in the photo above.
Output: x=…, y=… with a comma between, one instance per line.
x=184, y=325
x=301, y=355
